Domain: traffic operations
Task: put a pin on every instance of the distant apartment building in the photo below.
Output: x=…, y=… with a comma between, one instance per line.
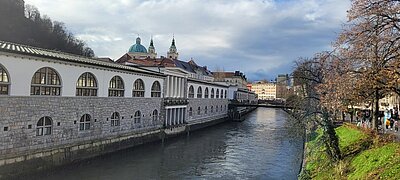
x=284, y=86
x=264, y=90
x=249, y=85
x=282, y=79
x=236, y=78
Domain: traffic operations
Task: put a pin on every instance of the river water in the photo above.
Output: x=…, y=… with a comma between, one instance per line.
x=261, y=147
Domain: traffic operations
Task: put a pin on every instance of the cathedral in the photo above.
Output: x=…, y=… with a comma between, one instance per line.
x=139, y=56
x=138, y=51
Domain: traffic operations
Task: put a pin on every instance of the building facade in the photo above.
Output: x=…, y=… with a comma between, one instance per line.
x=264, y=90
x=284, y=86
x=51, y=100
x=242, y=95
x=191, y=95
x=58, y=107
x=236, y=78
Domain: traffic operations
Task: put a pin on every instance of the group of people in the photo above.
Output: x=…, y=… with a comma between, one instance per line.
x=391, y=118
x=388, y=119
x=363, y=118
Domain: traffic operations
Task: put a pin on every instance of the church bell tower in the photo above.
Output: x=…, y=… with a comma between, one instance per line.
x=172, y=53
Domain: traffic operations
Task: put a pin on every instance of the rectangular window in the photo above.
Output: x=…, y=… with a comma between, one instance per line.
x=86, y=92
x=138, y=93
x=155, y=94
x=3, y=89
x=114, y=122
x=39, y=132
x=81, y=126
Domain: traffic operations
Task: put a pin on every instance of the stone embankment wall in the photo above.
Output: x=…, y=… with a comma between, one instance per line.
x=20, y=117
x=23, y=150
x=216, y=109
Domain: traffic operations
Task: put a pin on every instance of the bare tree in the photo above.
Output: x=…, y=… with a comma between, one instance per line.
x=371, y=41
x=310, y=109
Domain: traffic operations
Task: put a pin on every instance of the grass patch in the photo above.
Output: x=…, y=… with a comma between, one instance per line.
x=352, y=140
x=365, y=156
x=377, y=162
x=348, y=136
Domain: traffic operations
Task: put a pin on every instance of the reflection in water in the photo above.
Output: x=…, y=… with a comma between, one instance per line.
x=258, y=148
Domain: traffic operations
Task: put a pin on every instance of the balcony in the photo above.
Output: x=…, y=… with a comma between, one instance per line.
x=175, y=101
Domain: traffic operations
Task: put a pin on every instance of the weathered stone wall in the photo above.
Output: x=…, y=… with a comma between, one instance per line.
x=194, y=103
x=20, y=147
x=51, y=158
x=20, y=115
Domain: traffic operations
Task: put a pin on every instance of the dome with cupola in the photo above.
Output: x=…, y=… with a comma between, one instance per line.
x=137, y=48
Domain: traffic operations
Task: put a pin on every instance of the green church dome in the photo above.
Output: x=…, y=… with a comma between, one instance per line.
x=137, y=48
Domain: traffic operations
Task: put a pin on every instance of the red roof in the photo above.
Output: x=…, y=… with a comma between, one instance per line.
x=224, y=74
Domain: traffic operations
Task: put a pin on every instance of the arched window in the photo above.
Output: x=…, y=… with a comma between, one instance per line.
x=136, y=118
x=156, y=89
x=199, y=92
x=116, y=87
x=212, y=92
x=221, y=108
x=216, y=108
x=217, y=94
x=198, y=110
x=4, y=81
x=190, y=112
x=86, y=85
x=115, y=119
x=212, y=109
x=206, y=93
x=155, y=115
x=46, y=82
x=138, y=88
x=191, y=92
x=84, y=123
x=222, y=93
x=225, y=93
x=43, y=126
x=205, y=110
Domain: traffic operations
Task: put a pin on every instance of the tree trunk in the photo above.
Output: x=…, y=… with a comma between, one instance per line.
x=351, y=114
x=376, y=113
x=331, y=140
x=343, y=116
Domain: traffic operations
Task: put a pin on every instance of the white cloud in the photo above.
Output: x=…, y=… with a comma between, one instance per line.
x=250, y=35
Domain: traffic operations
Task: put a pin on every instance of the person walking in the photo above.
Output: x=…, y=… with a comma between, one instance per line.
x=387, y=124
x=391, y=124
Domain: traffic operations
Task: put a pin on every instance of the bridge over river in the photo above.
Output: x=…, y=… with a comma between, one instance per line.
x=281, y=106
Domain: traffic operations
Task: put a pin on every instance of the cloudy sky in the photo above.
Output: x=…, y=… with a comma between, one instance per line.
x=261, y=38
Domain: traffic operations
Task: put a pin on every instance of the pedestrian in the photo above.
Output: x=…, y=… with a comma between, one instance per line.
x=359, y=124
x=387, y=123
x=396, y=126
x=357, y=115
x=391, y=123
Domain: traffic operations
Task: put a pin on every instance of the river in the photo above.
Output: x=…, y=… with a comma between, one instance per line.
x=261, y=147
